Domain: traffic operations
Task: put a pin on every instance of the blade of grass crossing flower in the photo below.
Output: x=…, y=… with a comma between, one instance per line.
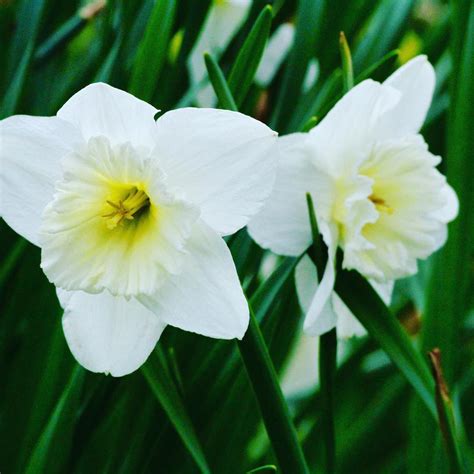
x=276, y=416
x=62, y=420
x=160, y=381
x=153, y=50
x=219, y=83
x=382, y=325
x=247, y=61
x=445, y=414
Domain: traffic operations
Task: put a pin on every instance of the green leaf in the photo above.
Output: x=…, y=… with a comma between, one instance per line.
x=346, y=59
x=15, y=90
x=276, y=416
x=382, y=325
x=219, y=83
x=152, y=50
x=445, y=414
x=247, y=61
x=308, y=21
x=160, y=381
x=59, y=426
x=448, y=289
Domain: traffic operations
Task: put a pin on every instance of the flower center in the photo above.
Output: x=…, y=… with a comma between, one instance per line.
x=132, y=206
x=380, y=204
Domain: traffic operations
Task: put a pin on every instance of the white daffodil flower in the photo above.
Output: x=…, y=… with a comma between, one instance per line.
x=222, y=23
x=129, y=214
x=377, y=192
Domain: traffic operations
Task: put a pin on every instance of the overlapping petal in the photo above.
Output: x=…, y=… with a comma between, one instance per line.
x=415, y=80
x=283, y=223
x=221, y=161
x=206, y=297
x=103, y=110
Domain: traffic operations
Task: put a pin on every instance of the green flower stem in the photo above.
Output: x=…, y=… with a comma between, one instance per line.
x=327, y=351
x=327, y=372
x=275, y=414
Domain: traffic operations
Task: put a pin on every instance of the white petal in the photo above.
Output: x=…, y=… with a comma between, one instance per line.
x=220, y=160
x=451, y=208
x=30, y=152
x=416, y=82
x=206, y=298
x=384, y=290
x=320, y=317
x=100, y=109
x=283, y=223
x=345, y=136
x=335, y=313
x=347, y=324
x=107, y=333
x=306, y=279
x=275, y=52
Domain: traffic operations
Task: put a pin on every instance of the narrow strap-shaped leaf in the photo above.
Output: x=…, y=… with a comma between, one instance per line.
x=346, y=59
x=62, y=418
x=382, y=325
x=159, y=379
x=448, y=287
x=275, y=414
x=219, y=83
x=15, y=89
x=68, y=30
x=152, y=50
x=308, y=21
x=248, y=59
x=445, y=414
x=12, y=259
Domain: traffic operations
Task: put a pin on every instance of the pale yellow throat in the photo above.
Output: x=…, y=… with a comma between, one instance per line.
x=380, y=204
x=128, y=208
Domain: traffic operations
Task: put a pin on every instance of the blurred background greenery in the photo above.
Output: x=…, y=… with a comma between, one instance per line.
x=191, y=407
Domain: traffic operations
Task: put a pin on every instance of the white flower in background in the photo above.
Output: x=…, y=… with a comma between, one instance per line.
x=222, y=23
x=129, y=214
x=275, y=52
x=375, y=186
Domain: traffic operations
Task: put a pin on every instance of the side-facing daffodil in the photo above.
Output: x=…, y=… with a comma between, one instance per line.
x=129, y=214
x=376, y=190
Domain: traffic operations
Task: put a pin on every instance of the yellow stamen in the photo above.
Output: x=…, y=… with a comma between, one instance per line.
x=135, y=201
x=380, y=204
